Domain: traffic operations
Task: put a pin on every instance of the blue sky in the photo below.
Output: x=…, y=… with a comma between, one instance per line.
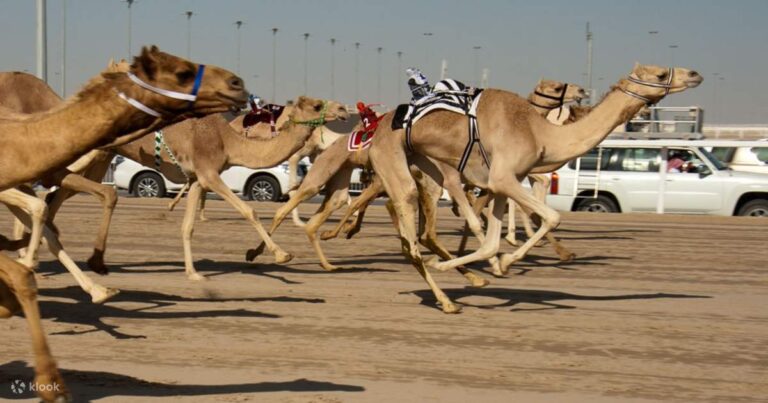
x=521, y=42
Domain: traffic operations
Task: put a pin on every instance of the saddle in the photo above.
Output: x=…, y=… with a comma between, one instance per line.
x=361, y=139
x=267, y=114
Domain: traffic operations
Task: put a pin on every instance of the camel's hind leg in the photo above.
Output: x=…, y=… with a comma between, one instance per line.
x=214, y=183
x=477, y=208
x=540, y=188
x=20, y=290
x=391, y=165
x=25, y=198
x=72, y=184
x=21, y=201
x=336, y=195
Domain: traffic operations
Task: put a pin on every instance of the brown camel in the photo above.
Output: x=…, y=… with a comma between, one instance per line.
x=42, y=143
x=517, y=140
x=203, y=148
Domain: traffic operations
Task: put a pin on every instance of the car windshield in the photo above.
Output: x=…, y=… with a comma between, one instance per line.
x=716, y=162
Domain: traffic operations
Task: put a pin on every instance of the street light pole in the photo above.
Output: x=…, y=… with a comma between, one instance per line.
x=130, y=49
x=357, y=71
x=333, y=68
x=189, y=15
x=654, y=56
x=672, y=58
x=274, y=64
x=475, y=74
x=378, y=79
x=63, y=48
x=397, y=75
x=306, y=61
x=589, y=65
x=42, y=46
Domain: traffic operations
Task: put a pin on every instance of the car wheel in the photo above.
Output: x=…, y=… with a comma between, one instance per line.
x=600, y=204
x=263, y=188
x=148, y=184
x=755, y=208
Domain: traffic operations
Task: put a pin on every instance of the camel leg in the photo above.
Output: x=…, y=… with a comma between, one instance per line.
x=336, y=196
x=540, y=188
x=203, y=197
x=550, y=219
x=15, y=244
x=511, y=237
x=490, y=246
x=38, y=212
x=188, y=228
x=393, y=169
x=214, y=183
x=177, y=199
x=361, y=202
x=20, y=281
x=304, y=192
x=477, y=208
x=429, y=195
x=99, y=294
x=107, y=195
x=293, y=181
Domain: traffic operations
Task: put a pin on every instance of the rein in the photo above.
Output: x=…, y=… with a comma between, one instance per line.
x=191, y=97
x=560, y=100
x=314, y=123
x=667, y=86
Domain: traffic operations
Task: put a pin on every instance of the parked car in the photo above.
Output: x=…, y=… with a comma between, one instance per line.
x=748, y=159
x=626, y=178
x=269, y=184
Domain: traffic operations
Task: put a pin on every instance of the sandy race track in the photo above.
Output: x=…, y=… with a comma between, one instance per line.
x=654, y=309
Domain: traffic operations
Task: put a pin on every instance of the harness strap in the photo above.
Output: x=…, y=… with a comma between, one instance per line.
x=667, y=86
x=560, y=100
x=474, y=138
x=138, y=105
x=160, y=144
x=192, y=97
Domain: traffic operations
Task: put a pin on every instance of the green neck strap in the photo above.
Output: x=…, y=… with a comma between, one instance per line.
x=313, y=123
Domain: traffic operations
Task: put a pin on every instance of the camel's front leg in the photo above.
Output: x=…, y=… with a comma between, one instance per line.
x=188, y=228
x=214, y=183
x=366, y=197
x=293, y=180
x=390, y=163
x=20, y=290
x=511, y=237
x=335, y=197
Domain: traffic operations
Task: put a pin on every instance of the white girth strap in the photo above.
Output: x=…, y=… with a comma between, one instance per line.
x=167, y=93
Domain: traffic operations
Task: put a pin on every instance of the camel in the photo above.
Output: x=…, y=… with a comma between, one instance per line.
x=203, y=148
x=520, y=140
x=547, y=95
x=114, y=105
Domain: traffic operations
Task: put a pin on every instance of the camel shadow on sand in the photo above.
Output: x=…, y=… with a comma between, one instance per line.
x=87, y=386
x=511, y=297
x=78, y=309
x=211, y=269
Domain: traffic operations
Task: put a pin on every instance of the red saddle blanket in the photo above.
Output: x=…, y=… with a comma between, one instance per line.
x=266, y=114
x=361, y=139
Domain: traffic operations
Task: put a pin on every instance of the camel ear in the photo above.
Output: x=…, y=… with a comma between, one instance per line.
x=111, y=64
x=303, y=102
x=147, y=61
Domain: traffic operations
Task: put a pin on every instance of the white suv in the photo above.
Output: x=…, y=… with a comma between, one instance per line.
x=628, y=180
x=269, y=184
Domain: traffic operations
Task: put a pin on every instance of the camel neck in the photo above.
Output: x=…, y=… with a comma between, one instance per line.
x=542, y=105
x=563, y=143
x=261, y=153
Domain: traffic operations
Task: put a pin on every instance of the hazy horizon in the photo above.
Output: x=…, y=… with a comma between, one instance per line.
x=521, y=42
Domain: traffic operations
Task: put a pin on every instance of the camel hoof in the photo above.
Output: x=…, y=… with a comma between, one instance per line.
x=96, y=263
x=512, y=240
x=197, y=277
x=567, y=257
x=479, y=282
x=330, y=267
x=103, y=294
x=451, y=308
x=28, y=263
x=326, y=235
x=282, y=257
x=252, y=253
x=434, y=263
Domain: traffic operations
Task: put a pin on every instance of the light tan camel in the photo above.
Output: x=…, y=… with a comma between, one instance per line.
x=547, y=95
x=42, y=143
x=517, y=140
x=206, y=147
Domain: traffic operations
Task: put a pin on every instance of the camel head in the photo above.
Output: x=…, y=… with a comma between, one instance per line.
x=219, y=90
x=554, y=90
x=653, y=83
x=308, y=109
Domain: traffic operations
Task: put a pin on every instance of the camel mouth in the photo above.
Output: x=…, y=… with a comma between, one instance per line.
x=235, y=103
x=694, y=82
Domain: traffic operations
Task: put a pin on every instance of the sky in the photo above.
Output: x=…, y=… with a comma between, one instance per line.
x=520, y=42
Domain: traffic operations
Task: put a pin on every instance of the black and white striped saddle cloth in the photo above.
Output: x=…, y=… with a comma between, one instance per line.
x=450, y=95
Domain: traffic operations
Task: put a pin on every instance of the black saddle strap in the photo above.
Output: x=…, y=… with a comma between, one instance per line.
x=474, y=138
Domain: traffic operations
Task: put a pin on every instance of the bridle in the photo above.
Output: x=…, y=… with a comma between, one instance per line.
x=560, y=100
x=191, y=97
x=667, y=86
x=313, y=123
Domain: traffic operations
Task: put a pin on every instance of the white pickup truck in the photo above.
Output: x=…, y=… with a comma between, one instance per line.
x=627, y=176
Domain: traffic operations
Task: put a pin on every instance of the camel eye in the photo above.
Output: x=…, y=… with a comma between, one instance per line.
x=559, y=88
x=662, y=76
x=318, y=107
